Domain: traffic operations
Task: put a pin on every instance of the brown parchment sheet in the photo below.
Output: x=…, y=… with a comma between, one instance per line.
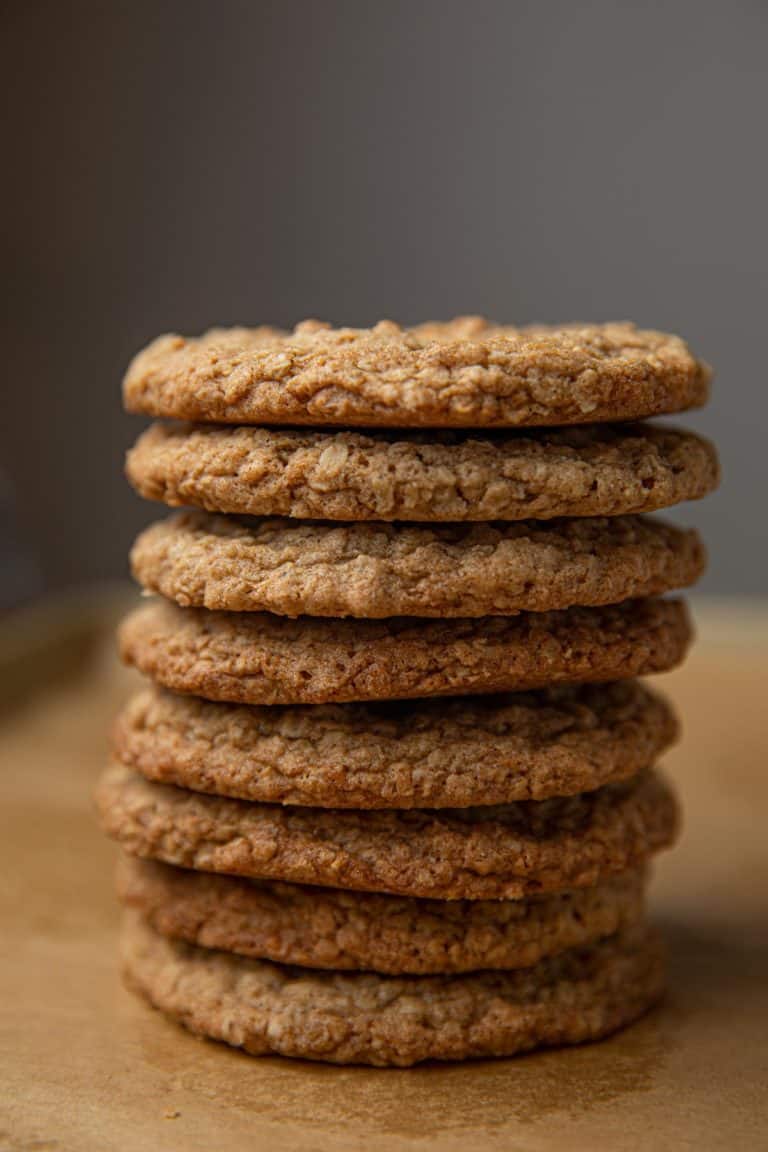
x=84, y=1065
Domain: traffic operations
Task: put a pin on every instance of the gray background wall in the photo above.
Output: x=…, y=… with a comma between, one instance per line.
x=171, y=165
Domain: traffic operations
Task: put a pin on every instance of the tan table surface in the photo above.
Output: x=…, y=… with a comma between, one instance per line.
x=83, y=1065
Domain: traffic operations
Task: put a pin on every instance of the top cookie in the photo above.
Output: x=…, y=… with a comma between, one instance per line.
x=466, y=373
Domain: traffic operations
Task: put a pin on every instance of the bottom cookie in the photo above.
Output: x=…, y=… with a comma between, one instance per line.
x=363, y=1018
x=331, y=928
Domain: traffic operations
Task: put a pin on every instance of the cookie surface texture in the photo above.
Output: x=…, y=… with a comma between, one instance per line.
x=497, y=852
x=382, y=570
x=442, y=753
x=590, y=471
x=464, y=373
x=366, y=1018
x=334, y=929
x=259, y=658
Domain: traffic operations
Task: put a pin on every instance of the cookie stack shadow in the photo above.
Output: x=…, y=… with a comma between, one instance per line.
x=391, y=793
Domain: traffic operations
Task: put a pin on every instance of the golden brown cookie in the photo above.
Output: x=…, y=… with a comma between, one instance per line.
x=464, y=373
x=365, y=1018
x=331, y=928
x=310, y=474
x=430, y=754
x=258, y=658
x=374, y=571
x=509, y=851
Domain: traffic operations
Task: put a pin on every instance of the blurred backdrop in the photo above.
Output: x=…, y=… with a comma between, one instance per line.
x=167, y=166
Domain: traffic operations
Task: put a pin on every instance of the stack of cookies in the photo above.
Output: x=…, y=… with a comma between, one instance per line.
x=390, y=795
